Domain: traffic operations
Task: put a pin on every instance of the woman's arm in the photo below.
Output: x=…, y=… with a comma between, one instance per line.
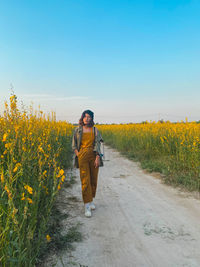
x=97, y=161
x=76, y=152
x=74, y=142
x=98, y=140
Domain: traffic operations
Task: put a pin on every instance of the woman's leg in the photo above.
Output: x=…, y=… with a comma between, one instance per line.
x=93, y=176
x=84, y=167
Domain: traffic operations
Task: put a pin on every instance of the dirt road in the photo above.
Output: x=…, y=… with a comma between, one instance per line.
x=138, y=221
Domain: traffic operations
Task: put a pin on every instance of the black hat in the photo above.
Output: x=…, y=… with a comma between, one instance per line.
x=88, y=112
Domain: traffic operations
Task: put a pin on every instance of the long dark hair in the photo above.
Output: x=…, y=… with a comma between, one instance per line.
x=89, y=112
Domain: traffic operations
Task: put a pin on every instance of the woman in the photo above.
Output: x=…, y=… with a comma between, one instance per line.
x=86, y=145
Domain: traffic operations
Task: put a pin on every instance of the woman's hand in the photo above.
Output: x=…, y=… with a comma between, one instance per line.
x=76, y=152
x=97, y=161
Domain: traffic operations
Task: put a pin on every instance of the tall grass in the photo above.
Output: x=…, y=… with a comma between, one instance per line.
x=34, y=151
x=170, y=148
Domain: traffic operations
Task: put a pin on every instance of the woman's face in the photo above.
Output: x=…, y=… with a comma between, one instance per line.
x=86, y=119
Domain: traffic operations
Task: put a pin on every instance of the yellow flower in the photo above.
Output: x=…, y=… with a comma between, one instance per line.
x=4, y=137
x=45, y=173
x=61, y=172
x=16, y=128
x=30, y=200
x=63, y=178
x=40, y=149
x=22, y=198
x=2, y=177
x=8, y=145
x=48, y=238
x=16, y=167
x=29, y=189
x=8, y=192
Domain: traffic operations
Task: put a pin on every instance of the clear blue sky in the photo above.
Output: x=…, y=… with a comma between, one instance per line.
x=125, y=60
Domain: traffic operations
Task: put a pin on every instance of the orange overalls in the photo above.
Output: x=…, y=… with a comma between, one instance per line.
x=88, y=172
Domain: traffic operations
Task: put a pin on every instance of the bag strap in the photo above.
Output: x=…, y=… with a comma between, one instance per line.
x=103, y=151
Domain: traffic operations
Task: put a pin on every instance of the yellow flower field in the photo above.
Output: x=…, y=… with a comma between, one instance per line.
x=34, y=151
x=170, y=148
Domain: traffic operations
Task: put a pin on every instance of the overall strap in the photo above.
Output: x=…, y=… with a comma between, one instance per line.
x=94, y=134
x=95, y=131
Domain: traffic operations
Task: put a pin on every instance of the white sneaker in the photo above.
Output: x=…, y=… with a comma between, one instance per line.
x=92, y=206
x=87, y=210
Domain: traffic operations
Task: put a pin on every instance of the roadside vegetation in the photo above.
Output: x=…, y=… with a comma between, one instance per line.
x=35, y=151
x=172, y=149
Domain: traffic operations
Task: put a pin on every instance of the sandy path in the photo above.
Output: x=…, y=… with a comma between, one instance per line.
x=138, y=220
